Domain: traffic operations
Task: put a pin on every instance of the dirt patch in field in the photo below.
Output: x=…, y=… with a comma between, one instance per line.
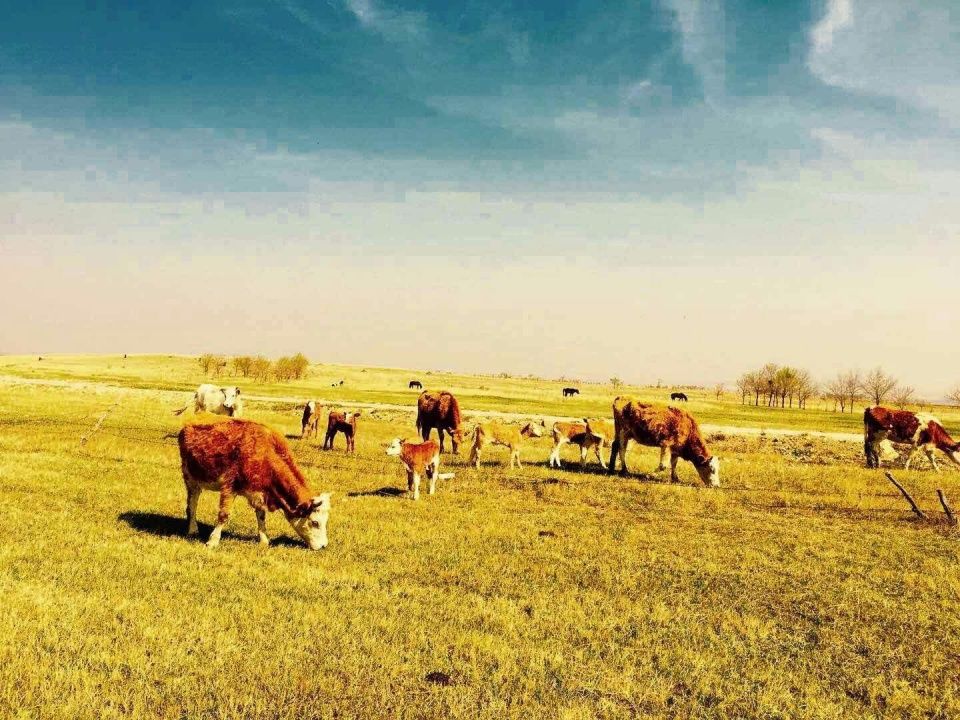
x=803, y=449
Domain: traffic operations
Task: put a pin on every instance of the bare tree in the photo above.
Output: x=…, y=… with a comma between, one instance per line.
x=954, y=395
x=616, y=382
x=242, y=365
x=806, y=387
x=836, y=390
x=902, y=395
x=852, y=387
x=877, y=385
x=719, y=389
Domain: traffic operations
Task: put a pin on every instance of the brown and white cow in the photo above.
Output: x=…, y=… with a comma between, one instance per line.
x=241, y=457
x=439, y=410
x=563, y=433
x=216, y=400
x=600, y=434
x=498, y=433
x=671, y=429
x=310, y=422
x=419, y=459
x=882, y=425
x=341, y=422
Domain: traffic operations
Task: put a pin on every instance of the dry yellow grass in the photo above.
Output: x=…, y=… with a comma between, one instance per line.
x=797, y=590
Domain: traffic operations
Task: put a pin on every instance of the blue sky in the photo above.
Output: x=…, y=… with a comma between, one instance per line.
x=690, y=134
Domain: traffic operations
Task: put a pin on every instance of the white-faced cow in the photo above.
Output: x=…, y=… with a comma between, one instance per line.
x=439, y=410
x=217, y=400
x=497, y=433
x=240, y=457
x=671, y=429
x=310, y=422
x=921, y=430
x=419, y=459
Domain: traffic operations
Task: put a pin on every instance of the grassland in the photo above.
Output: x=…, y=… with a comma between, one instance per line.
x=800, y=589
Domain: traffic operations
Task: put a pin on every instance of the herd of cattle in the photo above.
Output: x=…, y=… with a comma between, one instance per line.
x=220, y=451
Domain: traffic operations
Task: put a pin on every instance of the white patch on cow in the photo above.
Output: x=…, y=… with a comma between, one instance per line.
x=923, y=420
x=313, y=528
x=395, y=447
x=710, y=472
x=886, y=450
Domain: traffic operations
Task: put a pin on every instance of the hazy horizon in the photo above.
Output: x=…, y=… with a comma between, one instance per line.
x=666, y=189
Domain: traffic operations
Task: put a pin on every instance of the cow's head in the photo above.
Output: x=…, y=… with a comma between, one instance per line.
x=310, y=521
x=710, y=472
x=532, y=430
x=395, y=447
x=231, y=399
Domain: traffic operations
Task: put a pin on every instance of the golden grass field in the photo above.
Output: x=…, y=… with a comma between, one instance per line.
x=802, y=588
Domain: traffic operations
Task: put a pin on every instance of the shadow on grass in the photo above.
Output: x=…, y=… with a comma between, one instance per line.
x=166, y=526
x=383, y=492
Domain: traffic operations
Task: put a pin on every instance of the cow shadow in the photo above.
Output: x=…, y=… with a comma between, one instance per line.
x=167, y=526
x=387, y=491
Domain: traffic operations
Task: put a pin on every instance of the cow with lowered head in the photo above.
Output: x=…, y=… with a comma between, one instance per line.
x=240, y=457
x=216, y=400
x=671, y=429
x=439, y=410
x=883, y=425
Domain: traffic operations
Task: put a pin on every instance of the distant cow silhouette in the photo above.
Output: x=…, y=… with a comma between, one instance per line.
x=336, y=384
x=567, y=392
x=416, y=384
x=679, y=396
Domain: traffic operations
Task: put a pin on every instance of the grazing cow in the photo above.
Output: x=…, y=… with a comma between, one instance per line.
x=497, y=433
x=600, y=434
x=416, y=384
x=883, y=425
x=679, y=396
x=567, y=392
x=216, y=400
x=311, y=419
x=340, y=422
x=336, y=384
x=673, y=430
x=439, y=410
x=241, y=457
x=563, y=433
x=419, y=459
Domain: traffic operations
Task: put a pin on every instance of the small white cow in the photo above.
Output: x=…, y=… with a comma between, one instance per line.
x=216, y=400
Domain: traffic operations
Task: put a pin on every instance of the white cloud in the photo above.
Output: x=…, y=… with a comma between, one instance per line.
x=390, y=23
x=702, y=28
x=838, y=16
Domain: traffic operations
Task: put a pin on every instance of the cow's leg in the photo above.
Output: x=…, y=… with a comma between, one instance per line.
x=226, y=503
x=614, y=451
x=663, y=454
x=674, y=459
x=913, y=451
x=868, y=451
x=583, y=456
x=598, y=448
x=933, y=461
x=415, y=483
x=554, y=459
x=515, y=453
x=440, y=435
x=433, y=470
x=193, y=495
x=475, y=455
x=623, y=456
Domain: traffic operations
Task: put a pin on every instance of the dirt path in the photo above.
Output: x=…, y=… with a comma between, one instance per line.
x=706, y=427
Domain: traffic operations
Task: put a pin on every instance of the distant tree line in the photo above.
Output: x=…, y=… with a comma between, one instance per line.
x=781, y=386
x=258, y=368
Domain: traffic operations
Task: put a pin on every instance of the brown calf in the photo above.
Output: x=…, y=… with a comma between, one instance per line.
x=241, y=457
x=674, y=431
x=497, y=433
x=600, y=434
x=921, y=430
x=563, y=433
x=340, y=422
x=419, y=459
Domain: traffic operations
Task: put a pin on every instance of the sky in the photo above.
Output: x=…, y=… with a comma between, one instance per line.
x=675, y=190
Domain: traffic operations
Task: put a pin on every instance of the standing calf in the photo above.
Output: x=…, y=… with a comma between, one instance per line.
x=339, y=422
x=563, y=433
x=241, y=457
x=310, y=422
x=419, y=459
x=497, y=433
